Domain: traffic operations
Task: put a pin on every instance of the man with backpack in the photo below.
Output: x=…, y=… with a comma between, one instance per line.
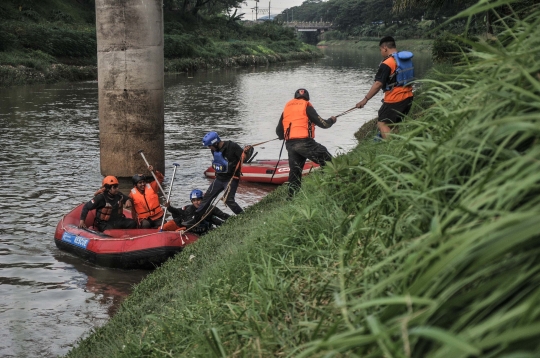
x=393, y=77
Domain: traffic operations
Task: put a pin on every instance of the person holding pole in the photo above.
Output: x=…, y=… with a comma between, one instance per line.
x=297, y=127
x=146, y=208
x=393, y=77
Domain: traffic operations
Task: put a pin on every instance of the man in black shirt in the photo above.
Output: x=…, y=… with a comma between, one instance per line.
x=109, y=205
x=228, y=158
x=398, y=92
x=185, y=216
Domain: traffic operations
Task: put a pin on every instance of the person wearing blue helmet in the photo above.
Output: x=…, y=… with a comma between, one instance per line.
x=182, y=216
x=228, y=157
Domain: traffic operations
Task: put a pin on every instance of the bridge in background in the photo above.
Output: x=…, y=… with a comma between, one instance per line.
x=318, y=27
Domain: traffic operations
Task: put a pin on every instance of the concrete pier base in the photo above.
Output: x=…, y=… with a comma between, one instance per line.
x=130, y=82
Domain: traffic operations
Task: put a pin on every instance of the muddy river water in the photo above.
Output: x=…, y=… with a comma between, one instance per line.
x=49, y=155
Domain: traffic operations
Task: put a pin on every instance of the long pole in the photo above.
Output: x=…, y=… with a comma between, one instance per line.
x=256, y=9
x=169, y=195
x=147, y=165
x=269, y=11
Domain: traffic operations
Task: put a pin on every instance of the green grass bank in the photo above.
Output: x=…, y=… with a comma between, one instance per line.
x=50, y=41
x=427, y=245
x=409, y=44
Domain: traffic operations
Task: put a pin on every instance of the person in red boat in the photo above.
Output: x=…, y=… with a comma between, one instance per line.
x=181, y=217
x=146, y=208
x=109, y=206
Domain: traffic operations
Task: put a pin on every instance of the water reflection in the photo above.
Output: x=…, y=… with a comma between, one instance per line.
x=49, y=152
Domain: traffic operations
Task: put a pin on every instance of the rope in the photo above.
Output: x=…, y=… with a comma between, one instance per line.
x=346, y=112
x=255, y=145
x=181, y=233
x=227, y=190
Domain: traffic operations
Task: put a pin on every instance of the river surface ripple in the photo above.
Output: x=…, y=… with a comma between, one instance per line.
x=49, y=155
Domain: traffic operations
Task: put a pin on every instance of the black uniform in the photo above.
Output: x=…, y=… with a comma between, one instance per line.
x=116, y=220
x=187, y=216
x=232, y=152
x=300, y=150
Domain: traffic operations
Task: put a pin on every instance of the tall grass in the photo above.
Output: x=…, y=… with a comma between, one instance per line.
x=424, y=246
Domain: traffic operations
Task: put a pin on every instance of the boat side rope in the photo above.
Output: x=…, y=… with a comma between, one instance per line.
x=180, y=233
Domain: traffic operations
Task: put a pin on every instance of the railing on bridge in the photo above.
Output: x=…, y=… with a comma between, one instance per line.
x=309, y=26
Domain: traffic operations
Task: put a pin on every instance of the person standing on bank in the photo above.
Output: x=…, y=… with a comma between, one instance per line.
x=109, y=205
x=398, y=94
x=228, y=158
x=297, y=126
x=146, y=208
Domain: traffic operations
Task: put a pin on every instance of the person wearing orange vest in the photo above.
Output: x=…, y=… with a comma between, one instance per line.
x=144, y=195
x=297, y=126
x=109, y=205
x=398, y=97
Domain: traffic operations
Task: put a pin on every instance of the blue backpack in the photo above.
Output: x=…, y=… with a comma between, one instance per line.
x=404, y=73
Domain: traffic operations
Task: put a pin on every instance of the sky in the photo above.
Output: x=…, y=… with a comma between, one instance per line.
x=276, y=6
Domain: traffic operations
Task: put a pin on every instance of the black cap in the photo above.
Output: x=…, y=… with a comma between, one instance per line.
x=386, y=39
x=301, y=93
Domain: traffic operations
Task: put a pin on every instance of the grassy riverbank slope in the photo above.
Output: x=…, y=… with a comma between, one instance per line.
x=427, y=245
x=55, y=40
x=414, y=45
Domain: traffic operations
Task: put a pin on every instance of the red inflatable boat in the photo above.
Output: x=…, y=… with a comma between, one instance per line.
x=127, y=249
x=260, y=171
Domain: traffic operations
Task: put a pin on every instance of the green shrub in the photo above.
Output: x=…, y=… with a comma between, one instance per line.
x=7, y=40
x=57, y=15
x=449, y=48
x=58, y=42
x=178, y=46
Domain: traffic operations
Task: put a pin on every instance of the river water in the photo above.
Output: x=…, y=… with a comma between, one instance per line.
x=49, y=151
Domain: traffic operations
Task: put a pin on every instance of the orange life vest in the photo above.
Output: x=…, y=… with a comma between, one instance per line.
x=296, y=121
x=398, y=93
x=104, y=214
x=146, y=205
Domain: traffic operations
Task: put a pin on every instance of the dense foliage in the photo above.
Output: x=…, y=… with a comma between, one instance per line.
x=37, y=35
x=427, y=245
x=401, y=18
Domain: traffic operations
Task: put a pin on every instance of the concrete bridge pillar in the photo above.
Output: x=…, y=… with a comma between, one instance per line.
x=130, y=81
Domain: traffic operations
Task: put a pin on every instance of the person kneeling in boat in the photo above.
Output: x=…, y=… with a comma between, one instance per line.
x=109, y=205
x=144, y=195
x=181, y=217
x=297, y=126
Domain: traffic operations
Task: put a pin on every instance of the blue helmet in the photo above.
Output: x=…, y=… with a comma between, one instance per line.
x=195, y=194
x=210, y=138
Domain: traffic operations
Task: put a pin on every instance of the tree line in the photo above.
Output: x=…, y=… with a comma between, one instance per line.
x=409, y=18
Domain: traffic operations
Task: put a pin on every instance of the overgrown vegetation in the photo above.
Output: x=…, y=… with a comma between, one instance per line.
x=403, y=19
x=427, y=245
x=37, y=38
